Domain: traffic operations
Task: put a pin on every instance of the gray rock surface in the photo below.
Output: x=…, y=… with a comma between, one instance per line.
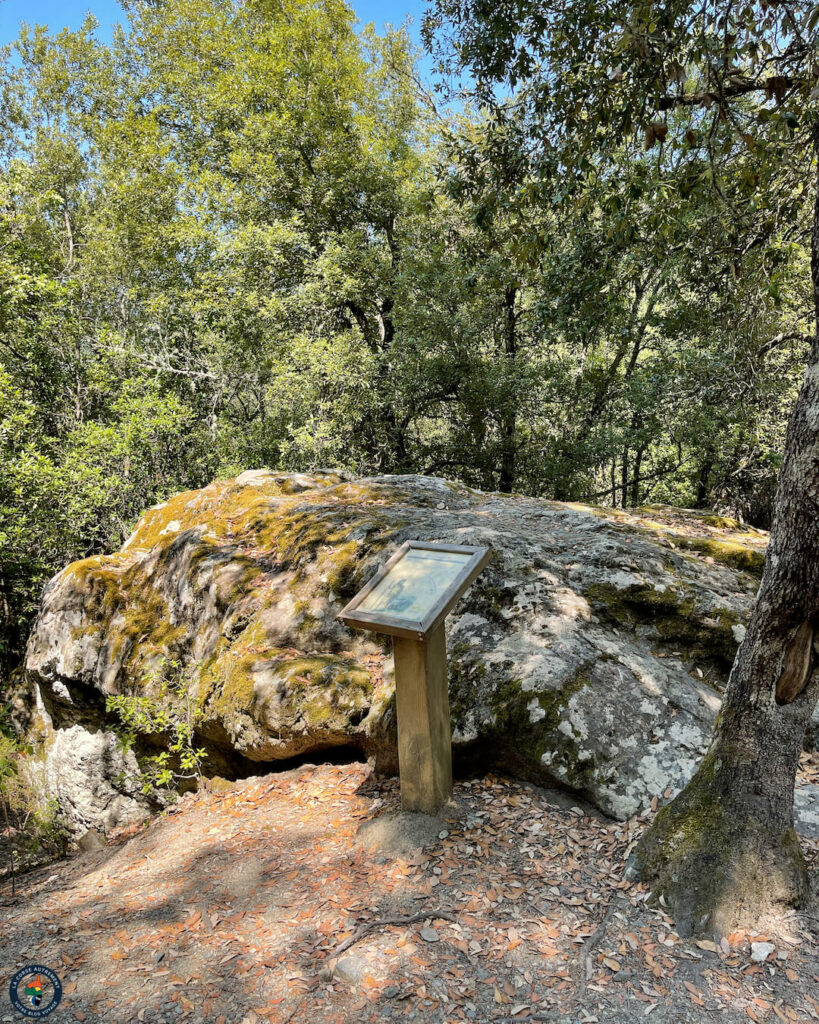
x=92, y=841
x=91, y=778
x=806, y=809
x=354, y=968
x=590, y=653
x=351, y=969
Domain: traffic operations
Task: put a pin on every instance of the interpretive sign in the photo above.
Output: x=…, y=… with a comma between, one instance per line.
x=414, y=591
x=409, y=599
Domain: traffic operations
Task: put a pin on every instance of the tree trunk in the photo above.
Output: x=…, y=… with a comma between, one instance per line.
x=635, y=481
x=509, y=419
x=703, y=478
x=724, y=852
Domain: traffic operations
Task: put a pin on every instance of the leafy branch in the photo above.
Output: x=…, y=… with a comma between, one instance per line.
x=170, y=713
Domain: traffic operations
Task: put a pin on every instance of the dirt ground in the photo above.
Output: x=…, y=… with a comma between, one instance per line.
x=264, y=904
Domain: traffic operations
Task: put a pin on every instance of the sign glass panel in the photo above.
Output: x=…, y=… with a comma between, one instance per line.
x=414, y=584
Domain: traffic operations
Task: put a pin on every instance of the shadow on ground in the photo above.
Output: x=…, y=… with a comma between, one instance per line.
x=306, y=896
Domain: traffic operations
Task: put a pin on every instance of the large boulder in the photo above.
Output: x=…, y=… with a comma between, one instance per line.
x=591, y=652
x=93, y=779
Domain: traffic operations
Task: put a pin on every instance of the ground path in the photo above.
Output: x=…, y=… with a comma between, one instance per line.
x=231, y=909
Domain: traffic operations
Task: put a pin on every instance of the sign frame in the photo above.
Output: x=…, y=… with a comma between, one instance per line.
x=393, y=625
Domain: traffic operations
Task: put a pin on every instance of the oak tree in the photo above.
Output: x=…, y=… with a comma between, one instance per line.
x=705, y=83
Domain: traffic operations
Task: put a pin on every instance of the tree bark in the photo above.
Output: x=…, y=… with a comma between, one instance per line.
x=724, y=852
x=702, y=480
x=635, y=481
x=509, y=421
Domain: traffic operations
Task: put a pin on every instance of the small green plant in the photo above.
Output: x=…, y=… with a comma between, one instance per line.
x=31, y=825
x=170, y=714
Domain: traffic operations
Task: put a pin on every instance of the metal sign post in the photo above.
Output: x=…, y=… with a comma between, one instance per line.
x=409, y=599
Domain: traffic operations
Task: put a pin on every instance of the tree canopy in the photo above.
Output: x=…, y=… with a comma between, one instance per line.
x=248, y=234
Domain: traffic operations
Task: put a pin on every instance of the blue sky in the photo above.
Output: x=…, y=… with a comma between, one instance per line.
x=58, y=14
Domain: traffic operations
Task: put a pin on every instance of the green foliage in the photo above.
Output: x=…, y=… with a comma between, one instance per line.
x=32, y=825
x=242, y=235
x=169, y=715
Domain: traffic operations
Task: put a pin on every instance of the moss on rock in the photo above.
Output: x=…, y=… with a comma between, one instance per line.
x=674, y=617
x=727, y=552
x=226, y=685
x=249, y=674
x=543, y=735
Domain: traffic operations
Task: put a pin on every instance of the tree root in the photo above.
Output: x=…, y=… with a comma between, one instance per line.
x=384, y=922
x=523, y=1018
x=588, y=947
x=716, y=859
